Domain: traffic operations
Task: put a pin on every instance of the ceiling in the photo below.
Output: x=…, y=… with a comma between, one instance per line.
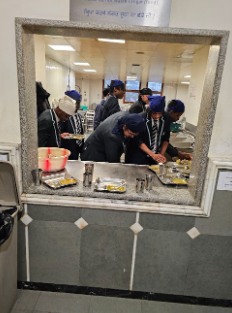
x=148, y=61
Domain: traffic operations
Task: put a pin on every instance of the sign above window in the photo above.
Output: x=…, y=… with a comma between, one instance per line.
x=130, y=12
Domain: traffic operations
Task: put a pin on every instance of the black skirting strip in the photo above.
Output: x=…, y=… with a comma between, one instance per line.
x=96, y=291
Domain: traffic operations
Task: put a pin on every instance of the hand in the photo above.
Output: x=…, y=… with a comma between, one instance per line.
x=159, y=158
x=64, y=135
x=184, y=155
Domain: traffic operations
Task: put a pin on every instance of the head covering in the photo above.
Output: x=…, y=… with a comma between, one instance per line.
x=117, y=83
x=73, y=94
x=156, y=103
x=106, y=92
x=67, y=105
x=145, y=91
x=176, y=106
x=133, y=122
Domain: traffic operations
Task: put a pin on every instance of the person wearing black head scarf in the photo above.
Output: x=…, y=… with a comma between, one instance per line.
x=42, y=99
x=107, y=142
x=142, y=102
x=151, y=145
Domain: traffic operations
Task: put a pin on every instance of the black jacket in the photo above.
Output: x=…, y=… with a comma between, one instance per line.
x=110, y=107
x=102, y=145
x=98, y=114
x=69, y=126
x=134, y=155
x=42, y=98
x=138, y=107
x=48, y=132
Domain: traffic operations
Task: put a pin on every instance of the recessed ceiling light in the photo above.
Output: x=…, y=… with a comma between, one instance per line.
x=111, y=40
x=89, y=70
x=62, y=47
x=187, y=76
x=81, y=63
x=185, y=83
x=131, y=77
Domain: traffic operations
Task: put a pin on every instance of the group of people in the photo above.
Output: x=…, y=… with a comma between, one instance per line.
x=141, y=133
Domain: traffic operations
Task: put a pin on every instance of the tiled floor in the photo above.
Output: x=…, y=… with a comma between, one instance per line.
x=50, y=302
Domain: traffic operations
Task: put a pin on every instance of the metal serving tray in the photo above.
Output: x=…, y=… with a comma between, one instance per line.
x=174, y=175
x=59, y=180
x=74, y=136
x=110, y=184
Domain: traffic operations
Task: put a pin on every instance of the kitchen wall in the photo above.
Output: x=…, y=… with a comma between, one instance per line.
x=9, y=103
x=154, y=253
x=167, y=259
x=211, y=15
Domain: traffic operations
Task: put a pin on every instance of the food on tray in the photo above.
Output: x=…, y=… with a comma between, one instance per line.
x=67, y=181
x=178, y=181
x=154, y=168
x=74, y=136
x=110, y=184
x=184, y=162
x=59, y=182
x=116, y=188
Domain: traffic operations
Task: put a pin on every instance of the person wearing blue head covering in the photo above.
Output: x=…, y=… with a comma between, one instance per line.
x=107, y=142
x=111, y=106
x=151, y=144
x=74, y=95
x=175, y=110
x=73, y=125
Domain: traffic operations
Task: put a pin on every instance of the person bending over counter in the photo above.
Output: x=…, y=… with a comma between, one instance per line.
x=151, y=145
x=175, y=109
x=107, y=142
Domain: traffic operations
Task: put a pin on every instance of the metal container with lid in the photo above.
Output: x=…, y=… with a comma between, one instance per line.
x=9, y=206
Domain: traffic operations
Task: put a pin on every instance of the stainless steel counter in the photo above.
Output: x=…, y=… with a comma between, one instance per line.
x=161, y=198
x=125, y=171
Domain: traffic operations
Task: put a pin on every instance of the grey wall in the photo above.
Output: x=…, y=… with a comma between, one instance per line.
x=167, y=259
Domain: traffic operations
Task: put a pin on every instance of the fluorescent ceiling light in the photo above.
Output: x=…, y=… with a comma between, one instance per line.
x=111, y=40
x=88, y=70
x=62, y=47
x=187, y=76
x=185, y=83
x=131, y=78
x=81, y=63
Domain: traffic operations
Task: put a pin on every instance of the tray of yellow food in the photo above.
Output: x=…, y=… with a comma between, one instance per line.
x=109, y=184
x=74, y=136
x=171, y=174
x=154, y=168
x=183, y=162
x=59, y=180
x=173, y=180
